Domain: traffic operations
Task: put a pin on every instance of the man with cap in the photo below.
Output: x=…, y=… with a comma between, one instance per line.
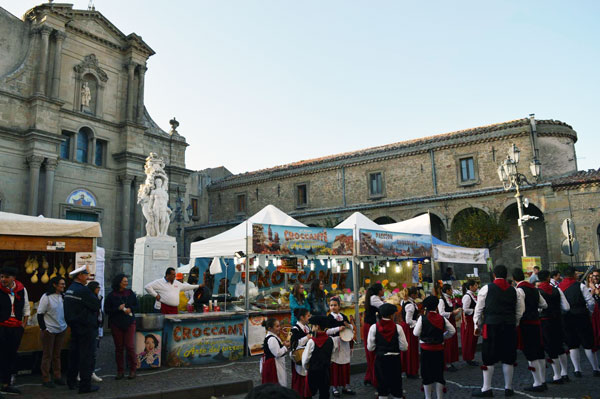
x=317, y=357
x=387, y=340
x=14, y=313
x=497, y=314
x=167, y=290
x=81, y=314
x=432, y=329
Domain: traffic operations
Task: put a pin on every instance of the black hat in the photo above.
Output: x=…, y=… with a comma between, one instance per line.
x=319, y=320
x=387, y=309
x=431, y=302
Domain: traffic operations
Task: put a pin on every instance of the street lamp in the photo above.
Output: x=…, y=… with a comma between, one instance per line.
x=510, y=177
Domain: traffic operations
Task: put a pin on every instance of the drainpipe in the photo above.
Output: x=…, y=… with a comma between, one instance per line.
x=344, y=185
x=433, y=176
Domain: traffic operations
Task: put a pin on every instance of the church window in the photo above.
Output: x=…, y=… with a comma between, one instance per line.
x=376, y=184
x=467, y=169
x=82, y=146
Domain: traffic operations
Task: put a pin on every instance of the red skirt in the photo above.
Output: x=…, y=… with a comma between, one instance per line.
x=468, y=339
x=340, y=374
x=269, y=371
x=370, y=356
x=596, y=325
x=300, y=384
x=410, y=357
x=451, y=345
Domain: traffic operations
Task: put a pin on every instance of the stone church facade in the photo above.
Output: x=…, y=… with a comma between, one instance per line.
x=445, y=175
x=74, y=131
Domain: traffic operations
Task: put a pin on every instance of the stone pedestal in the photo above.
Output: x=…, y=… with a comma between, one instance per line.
x=151, y=257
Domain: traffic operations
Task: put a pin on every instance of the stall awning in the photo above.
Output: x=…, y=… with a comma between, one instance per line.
x=233, y=240
x=23, y=225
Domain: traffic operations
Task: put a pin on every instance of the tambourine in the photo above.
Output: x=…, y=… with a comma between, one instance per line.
x=347, y=334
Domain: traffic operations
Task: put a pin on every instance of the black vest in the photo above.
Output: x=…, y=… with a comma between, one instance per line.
x=297, y=335
x=576, y=299
x=448, y=307
x=500, y=306
x=6, y=306
x=532, y=300
x=473, y=301
x=370, y=312
x=333, y=323
x=268, y=353
x=415, y=313
x=430, y=334
x=553, y=300
x=320, y=359
x=382, y=346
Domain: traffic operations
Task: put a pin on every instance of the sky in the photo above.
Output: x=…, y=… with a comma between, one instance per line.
x=260, y=83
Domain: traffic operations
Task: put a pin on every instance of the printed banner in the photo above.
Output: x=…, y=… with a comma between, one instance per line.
x=528, y=262
x=306, y=241
x=148, y=347
x=257, y=333
x=87, y=259
x=192, y=342
x=444, y=253
x=398, y=245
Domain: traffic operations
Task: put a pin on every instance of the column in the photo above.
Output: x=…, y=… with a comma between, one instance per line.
x=125, y=211
x=35, y=162
x=60, y=36
x=49, y=194
x=130, y=71
x=140, y=99
x=43, y=68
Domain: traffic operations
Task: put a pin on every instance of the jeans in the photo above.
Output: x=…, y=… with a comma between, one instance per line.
x=124, y=341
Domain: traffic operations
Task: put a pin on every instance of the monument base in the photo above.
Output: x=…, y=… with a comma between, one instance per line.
x=151, y=258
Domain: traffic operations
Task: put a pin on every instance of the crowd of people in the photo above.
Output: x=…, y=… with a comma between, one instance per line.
x=546, y=317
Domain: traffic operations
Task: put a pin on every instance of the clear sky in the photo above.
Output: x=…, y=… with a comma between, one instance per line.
x=259, y=83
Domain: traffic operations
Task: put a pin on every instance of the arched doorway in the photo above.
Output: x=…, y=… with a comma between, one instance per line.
x=509, y=251
x=384, y=220
x=438, y=229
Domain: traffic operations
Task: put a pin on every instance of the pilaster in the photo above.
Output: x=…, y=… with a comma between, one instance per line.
x=35, y=162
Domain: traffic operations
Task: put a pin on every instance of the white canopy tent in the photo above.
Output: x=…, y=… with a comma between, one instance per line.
x=233, y=240
x=23, y=225
x=358, y=221
x=417, y=225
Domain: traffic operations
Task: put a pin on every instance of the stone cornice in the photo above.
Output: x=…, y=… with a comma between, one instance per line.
x=397, y=150
x=36, y=134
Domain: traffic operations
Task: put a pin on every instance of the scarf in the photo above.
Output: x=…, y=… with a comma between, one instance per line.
x=320, y=338
x=546, y=287
x=525, y=284
x=502, y=284
x=10, y=291
x=387, y=328
x=566, y=283
x=435, y=319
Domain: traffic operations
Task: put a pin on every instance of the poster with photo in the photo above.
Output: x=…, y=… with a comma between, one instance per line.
x=148, y=347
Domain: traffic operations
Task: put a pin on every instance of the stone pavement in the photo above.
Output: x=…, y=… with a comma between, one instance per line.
x=234, y=378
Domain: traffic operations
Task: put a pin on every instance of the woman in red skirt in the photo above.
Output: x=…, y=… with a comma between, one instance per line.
x=467, y=333
x=373, y=300
x=272, y=364
x=342, y=353
x=594, y=287
x=446, y=309
x=300, y=336
x=410, y=315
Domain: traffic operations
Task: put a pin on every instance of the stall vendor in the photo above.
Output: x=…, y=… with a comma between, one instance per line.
x=14, y=313
x=166, y=291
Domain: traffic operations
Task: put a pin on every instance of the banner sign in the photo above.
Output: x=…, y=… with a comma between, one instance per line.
x=397, y=245
x=274, y=239
x=528, y=262
x=192, y=342
x=444, y=253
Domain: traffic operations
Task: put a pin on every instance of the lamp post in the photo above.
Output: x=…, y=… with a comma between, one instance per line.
x=510, y=177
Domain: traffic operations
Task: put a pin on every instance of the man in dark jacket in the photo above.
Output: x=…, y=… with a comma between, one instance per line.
x=81, y=314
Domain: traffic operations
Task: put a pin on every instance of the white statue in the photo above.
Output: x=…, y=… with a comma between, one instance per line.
x=86, y=95
x=154, y=197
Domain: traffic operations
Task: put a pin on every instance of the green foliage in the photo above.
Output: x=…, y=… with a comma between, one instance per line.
x=476, y=229
x=146, y=303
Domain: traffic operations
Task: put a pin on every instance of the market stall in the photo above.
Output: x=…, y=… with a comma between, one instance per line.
x=41, y=248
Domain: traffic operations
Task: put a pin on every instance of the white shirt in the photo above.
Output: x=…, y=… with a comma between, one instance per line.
x=169, y=293
x=26, y=307
x=342, y=353
x=542, y=304
x=589, y=298
x=442, y=306
x=478, y=317
x=376, y=301
x=409, y=308
x=449, y=329
x=310, y=347
x=402, y=343
x=466, y=303
x=51, y=306
x=278, y=352
x=554, y=283
x=564, y=304
x=301, y=344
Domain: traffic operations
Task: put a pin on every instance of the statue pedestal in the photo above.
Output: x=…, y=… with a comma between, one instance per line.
x=151, y=258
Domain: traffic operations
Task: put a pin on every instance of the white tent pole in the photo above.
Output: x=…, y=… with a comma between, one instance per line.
x=246, y=299
x=431, y=253
x=355, y=286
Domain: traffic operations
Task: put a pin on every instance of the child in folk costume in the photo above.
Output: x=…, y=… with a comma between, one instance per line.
x=272, y=364
x=317, y=357
x=446, y=309
x=300, y=336
x=373, y=300
x=467, y=329
x=432, y=329
x=340, y=361
x=386, y=339
x=410, y=315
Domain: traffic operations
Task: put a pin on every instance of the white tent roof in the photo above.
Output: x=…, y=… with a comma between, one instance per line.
x=234, y=240
x=360, y=221
x=416, y=225
x=23, y=225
